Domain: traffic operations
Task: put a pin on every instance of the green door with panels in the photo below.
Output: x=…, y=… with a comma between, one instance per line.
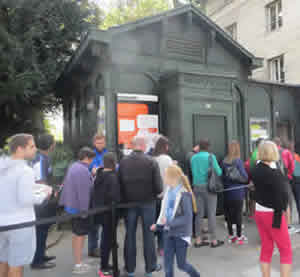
x=214, y=128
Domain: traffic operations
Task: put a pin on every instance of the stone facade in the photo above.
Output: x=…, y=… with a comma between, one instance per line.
x=251, y=19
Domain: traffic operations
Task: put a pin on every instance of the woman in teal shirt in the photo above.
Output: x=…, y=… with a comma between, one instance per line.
x=206, y=201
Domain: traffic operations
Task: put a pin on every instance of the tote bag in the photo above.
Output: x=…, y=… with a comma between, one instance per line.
x=214, y=182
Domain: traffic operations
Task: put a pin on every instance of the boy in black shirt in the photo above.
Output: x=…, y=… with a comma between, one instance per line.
x=106, y=191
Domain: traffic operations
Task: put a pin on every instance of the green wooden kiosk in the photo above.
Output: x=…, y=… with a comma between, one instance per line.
x=187, y=72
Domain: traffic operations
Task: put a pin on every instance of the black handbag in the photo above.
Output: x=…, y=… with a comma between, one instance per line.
x=234, y=175
x=48, y=208
x=214, y=182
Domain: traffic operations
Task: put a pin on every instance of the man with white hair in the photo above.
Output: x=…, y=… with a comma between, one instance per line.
x=141, y=182
x=153, y=140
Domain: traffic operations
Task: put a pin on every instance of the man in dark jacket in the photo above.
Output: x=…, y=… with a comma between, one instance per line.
x=43, y=172
x=106, y=192
x=100, y=150
x=140, y=181
x=188, y=159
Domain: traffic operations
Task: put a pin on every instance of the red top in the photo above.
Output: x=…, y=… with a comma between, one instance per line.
x=289, y=162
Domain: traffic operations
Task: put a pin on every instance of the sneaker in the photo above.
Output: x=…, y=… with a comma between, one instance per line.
x=105, y=273
x=242, y=240
x=46, y=265
x=291, y=229
x=81, y=269
x=157, y=269
x=232, y=239
x=126, y=273
x=49, y=258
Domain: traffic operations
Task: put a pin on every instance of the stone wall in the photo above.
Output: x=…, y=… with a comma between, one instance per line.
x=250, y=16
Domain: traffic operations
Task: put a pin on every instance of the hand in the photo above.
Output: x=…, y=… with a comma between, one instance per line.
x=49, y=192
x=163, y=221
x=153, y=227
x=94, y=170
x=160, y=196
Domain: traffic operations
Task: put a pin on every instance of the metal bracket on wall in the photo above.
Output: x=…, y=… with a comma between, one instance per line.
x=213, y=36
x=153, y=76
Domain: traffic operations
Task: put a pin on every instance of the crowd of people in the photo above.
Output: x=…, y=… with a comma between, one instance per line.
x=173, y=202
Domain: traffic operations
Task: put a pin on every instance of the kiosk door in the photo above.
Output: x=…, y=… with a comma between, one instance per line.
x=213, y=128
x=138, y=114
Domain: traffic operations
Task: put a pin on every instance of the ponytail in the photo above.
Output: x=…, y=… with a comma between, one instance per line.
x=175, y=171
x=186, y=184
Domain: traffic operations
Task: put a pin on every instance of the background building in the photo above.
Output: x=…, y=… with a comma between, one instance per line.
x=269, y=29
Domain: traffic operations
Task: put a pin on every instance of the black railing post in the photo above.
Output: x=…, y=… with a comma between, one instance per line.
x=116, y=272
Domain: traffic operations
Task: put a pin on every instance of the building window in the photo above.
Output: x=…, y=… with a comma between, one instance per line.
x=227, y=2
x=276, y=67
x=232, y=30
x=274, y=16
x=259, y=128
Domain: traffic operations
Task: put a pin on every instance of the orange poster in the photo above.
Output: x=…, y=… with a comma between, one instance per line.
x=131, y=122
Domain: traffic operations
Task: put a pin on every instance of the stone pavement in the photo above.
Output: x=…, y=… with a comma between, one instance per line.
x=227, y=261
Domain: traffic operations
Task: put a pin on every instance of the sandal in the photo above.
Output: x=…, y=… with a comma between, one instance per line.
x=201, y=244
x=219, y=243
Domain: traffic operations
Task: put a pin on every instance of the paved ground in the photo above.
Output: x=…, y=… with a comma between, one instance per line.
x=227, y=261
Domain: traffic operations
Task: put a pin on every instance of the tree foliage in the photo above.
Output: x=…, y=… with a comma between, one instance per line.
x=176, y=3
x=132, y=10
x=37, y=38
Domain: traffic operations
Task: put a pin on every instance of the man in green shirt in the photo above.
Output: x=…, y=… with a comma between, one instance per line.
x=253, y=159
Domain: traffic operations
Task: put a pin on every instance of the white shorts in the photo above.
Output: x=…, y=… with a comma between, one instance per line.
x=17, y=247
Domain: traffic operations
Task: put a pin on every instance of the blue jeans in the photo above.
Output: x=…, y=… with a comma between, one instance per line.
x=147, y=213
x=160, y=240
x=177, y=246
x=160, y=233
x=93, y=238
x=41, y=241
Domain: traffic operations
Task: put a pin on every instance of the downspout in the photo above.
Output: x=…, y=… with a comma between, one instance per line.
x=244, y=127
x=273, y=116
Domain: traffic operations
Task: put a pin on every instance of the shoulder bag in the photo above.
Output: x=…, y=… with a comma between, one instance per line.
x=234, y=175
x=214, y=182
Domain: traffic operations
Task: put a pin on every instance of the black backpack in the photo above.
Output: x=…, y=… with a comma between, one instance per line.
x=233, y=175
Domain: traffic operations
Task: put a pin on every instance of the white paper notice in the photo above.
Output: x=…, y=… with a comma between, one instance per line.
x=147, y=121
x=127, y=125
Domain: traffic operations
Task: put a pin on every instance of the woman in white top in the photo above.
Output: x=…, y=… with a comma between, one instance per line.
x=160, y=154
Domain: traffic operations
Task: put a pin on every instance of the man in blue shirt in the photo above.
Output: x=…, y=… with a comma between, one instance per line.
x=100, y=150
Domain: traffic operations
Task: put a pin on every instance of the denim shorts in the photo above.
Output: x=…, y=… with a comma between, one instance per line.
x=81, y=226
x=17, y=247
